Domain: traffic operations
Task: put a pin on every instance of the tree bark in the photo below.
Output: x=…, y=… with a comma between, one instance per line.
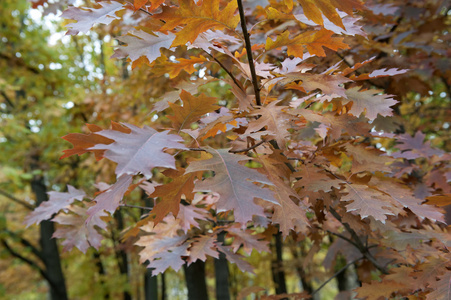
x=121, y=255
x=222, y=274
x=278, y=273
x=102, y=274
x=195, y=281
x=49, y=249
x=150, y=286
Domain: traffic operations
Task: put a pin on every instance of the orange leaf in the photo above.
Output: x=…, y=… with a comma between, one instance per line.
x=171, y=193
x=313, y=10
x=139, y=3
x=314, y=41
x=193, y=108
x=164, y=66
x=82, y=142
x=198, y=18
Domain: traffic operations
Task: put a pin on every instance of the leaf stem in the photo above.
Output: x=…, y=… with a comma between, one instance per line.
x=336, y=274
x=249, y=53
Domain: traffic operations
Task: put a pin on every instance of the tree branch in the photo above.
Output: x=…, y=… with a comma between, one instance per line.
x=136, y=206
x=145, y=11
x=358, y=243
x=336, y=274
x=10, y=103
x=31, y=263
x=27, y=244
x=247, y=149
x=249, y=53
x=21, y=202
x=226, y=70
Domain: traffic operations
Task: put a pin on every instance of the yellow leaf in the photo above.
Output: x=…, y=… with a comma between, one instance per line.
x=163, y=66
x=314, y=41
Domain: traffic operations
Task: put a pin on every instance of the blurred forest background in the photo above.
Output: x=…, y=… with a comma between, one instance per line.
x=52, y=84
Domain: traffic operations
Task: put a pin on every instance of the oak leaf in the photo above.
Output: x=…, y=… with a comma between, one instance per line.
x=198, y=17
x=201, y=247
x=234, y=183
x=314, y=41
x=274, y=119
x=173, y=69
x=143, y=44
x=78, y=231
x=246, y=239
x=370, y=102
x=110, y=199
x=170, y=194
x=141, y=150
x=154, y=4
x=367, y=202
x=375, y=290
x=288, y=214
x=313, y=10
x=350, y=28
x=414, y=147
x=191, y=110
x=57, y=201
x=236, y=259
x=87, y=17
x=83, y=142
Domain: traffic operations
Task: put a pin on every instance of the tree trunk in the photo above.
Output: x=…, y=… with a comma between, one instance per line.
x=49, y=249
x=121, y=255
x=278, y=273
x=195, y=281
x=150, y=282
x=150, y=286
x=222, y=274
x=102, y=274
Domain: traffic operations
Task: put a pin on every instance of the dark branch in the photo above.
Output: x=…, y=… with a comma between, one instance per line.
x=358, y=243
x=21, y=202
x=247, y=149
x=27, y=244
x=226, y=70
x=136, y=206
x=335, y=275
x=31, y=263
x=10, y=103
x=249, y=53
x=145, y=11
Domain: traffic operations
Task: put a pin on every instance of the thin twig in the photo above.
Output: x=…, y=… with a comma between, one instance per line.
x=247, y=149
x=136, y=206
x=358, y=243
x=335, y=275
x=21, y=202
x=343, y=238
x=145, y=11
x=249, y=53
x=226, y=70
